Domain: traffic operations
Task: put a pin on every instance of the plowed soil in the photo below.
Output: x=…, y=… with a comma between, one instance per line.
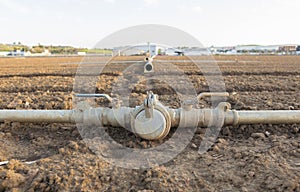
x=53, y=157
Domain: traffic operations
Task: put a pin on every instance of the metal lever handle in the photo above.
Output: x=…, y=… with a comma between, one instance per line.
x=149, y=104
x=212, y=94
x=95, y=95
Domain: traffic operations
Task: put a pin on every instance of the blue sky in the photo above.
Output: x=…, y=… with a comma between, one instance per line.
x=213, y=22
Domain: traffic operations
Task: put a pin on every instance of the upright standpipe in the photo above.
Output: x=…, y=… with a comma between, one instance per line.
x=152, y=120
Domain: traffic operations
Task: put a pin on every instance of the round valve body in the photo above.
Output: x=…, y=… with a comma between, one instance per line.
x=153, y=128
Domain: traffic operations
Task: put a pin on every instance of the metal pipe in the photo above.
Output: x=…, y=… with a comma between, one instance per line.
x=232, y=117
x=262, y=117
x=162, y=120
x=38, y=116
x=107, y=116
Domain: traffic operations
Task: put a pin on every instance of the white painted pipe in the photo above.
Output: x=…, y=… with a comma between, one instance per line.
x=262, y=117
x=38, y=116
x=123, y=117
x=109, y=116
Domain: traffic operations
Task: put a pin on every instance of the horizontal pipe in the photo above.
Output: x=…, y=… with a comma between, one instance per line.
x=108, y=116
x=262, y=117
x=38, y=116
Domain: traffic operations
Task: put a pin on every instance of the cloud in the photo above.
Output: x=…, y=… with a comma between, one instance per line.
x=151, y=2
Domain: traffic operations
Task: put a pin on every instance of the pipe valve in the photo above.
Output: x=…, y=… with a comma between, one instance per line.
x=152, y=120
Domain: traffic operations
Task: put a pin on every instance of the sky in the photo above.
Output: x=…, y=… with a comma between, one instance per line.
x=83, y=23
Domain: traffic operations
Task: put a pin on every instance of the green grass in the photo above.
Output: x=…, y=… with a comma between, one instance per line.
x=12, y=47
x=54, y=49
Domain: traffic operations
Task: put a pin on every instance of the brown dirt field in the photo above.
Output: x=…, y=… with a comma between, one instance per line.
x=239, y=160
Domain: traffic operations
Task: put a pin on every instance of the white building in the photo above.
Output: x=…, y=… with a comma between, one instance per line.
x=3, y=53
x=197, y=51
x=258, y=48
x=81, y=53
x=143, y=49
